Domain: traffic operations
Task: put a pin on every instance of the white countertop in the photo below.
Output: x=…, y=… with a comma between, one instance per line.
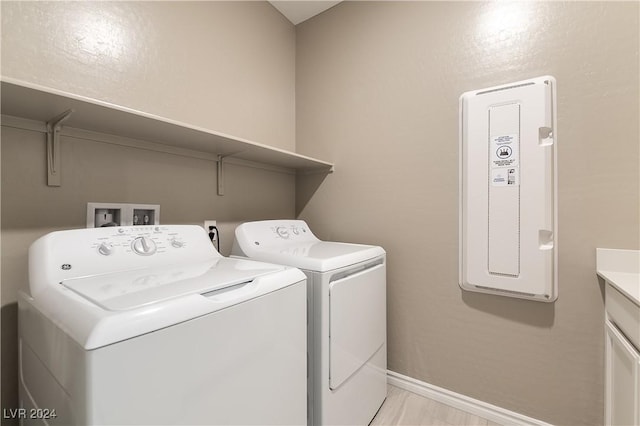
x=621, y=268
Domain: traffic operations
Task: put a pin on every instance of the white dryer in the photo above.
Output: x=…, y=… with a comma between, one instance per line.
x=347, y=316
x=150, y=325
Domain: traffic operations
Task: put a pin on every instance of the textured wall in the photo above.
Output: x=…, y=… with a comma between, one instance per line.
x=377, y=87
x=225, y=66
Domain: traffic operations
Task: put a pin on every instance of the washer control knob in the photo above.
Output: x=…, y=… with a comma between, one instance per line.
x=177, y=243
x=105, y=249
x=282, y=232
x=143, y=246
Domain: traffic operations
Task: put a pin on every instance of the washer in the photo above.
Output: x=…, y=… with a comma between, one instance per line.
x=150, y=325
x=347, y=316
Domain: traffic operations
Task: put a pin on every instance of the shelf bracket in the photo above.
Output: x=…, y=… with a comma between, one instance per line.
x=220, y=164
x=53, y=148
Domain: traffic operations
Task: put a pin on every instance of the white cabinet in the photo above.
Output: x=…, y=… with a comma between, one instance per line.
x=622, y=386
x=621, y=272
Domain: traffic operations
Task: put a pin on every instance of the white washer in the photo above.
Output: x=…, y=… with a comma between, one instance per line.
x=347, y=316
x=150, y=325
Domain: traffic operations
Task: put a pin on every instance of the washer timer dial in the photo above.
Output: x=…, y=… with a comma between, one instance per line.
x=143, y=246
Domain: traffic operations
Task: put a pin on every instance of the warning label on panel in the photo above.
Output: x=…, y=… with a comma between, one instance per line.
x=504, y=160
x=505, y=177
x=504, y=149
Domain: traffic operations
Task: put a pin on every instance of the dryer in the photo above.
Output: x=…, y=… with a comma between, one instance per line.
x=150, y=325
x=346, y=292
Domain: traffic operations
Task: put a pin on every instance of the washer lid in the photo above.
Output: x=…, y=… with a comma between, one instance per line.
x=320, y=256
x=134, y=289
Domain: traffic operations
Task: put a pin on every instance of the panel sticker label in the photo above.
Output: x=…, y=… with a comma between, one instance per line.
x=505, y=177
x=505, y=157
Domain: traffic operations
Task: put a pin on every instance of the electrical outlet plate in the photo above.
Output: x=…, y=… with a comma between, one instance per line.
x=210, y=226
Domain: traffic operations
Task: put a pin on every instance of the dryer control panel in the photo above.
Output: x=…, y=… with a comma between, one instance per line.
x=290, y=231
x=276, y=232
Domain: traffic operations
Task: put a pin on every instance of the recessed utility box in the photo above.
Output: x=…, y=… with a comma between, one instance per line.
x=119, y=214
x=105, y=217
x=145, y=216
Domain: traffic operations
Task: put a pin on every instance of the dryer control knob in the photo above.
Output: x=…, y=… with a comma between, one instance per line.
x=282, y=232
x=105, y=249
x=143, y=246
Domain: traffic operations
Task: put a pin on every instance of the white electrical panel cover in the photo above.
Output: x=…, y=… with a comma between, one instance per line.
x=508, y=220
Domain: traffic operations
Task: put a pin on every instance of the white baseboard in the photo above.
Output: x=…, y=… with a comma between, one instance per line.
x=461, y=402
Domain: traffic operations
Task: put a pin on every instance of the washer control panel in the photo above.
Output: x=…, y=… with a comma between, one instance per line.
x=94, y=251
x=140, y=240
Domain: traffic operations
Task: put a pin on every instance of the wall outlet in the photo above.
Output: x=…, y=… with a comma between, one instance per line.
x=212, y=231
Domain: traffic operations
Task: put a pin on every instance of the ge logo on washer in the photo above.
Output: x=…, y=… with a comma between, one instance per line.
x=66, y=267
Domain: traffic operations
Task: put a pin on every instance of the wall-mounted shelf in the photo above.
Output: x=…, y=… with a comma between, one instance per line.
x=34, y=102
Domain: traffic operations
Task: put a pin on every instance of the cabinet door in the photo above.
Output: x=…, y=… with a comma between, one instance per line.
x=622, y=371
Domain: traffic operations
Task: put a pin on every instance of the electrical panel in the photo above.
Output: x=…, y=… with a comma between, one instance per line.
x=508, y=219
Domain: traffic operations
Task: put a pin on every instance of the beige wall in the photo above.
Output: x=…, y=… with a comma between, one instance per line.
x=225, y=66
x=377, y=88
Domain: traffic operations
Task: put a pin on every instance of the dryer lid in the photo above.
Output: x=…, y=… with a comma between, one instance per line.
x=137, y=288
x=291, y=242
x=321, y=256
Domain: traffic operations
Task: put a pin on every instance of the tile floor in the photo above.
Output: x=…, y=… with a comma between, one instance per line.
x=406, y=408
